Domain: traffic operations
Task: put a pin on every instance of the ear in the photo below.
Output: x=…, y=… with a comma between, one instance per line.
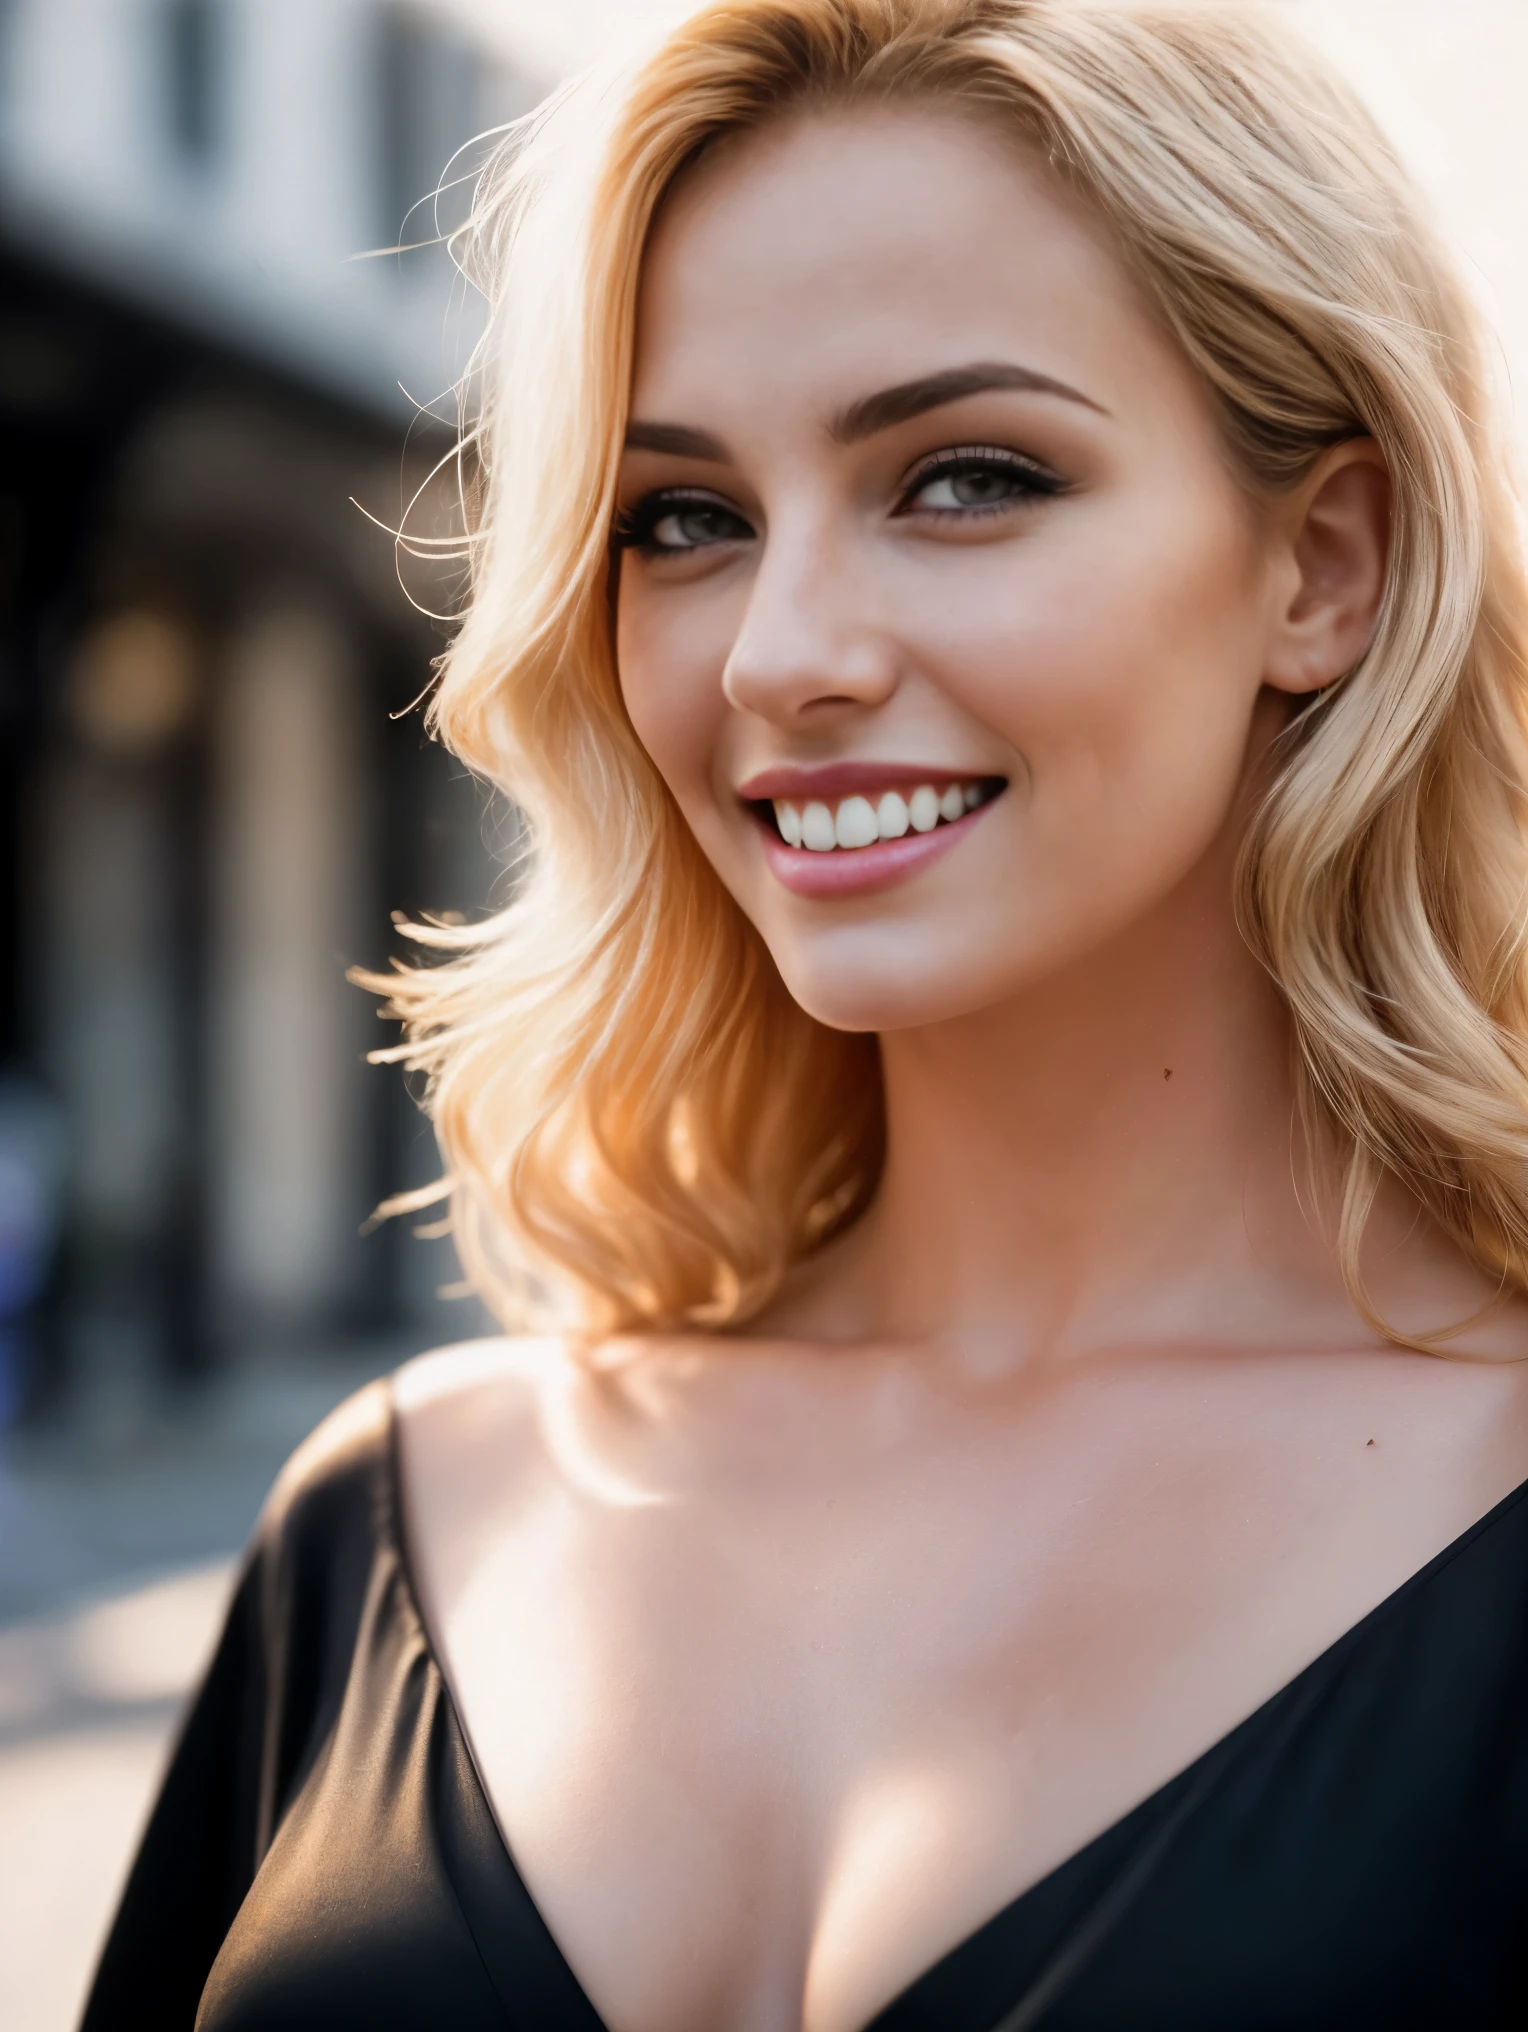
x=1338, y=538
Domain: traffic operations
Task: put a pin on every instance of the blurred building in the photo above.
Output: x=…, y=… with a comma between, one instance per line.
x=208, y=809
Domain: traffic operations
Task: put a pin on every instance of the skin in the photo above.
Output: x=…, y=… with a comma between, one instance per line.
x=789, y=1659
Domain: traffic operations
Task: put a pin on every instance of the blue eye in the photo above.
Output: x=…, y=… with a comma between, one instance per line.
x=673, y=523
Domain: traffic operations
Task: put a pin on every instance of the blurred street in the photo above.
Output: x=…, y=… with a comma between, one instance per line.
x=118, y=1546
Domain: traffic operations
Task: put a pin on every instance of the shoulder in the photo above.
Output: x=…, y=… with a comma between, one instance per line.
x=473, y=1418
x=518, y=1398
x=350, y=1452
x=508, y=1371
x=480, y=1393
x=329, y=1508
x=338, y=1461
x=337, y=1513
x=488, y=1429
x=340, y=1480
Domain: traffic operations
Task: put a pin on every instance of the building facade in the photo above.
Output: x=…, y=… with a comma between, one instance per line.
x=213, y=793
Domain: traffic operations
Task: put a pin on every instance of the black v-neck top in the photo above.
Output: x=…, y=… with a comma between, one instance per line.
x=322, y=1856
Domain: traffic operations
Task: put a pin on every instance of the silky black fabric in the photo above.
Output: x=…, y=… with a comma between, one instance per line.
x=1355, y=1855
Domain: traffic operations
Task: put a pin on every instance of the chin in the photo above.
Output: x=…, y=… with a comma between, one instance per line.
x=900, y=990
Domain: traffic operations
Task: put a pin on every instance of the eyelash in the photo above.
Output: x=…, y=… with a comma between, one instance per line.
x=971, y=461
x=634, y=526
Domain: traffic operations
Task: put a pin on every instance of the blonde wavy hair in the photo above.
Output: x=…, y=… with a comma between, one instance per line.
x=641, y=1127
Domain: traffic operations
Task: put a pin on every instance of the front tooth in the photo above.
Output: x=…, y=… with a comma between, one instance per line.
x=855, y=824
x=891, y=816
x=923, y=808
x=817, y=834
x=952, y=805
x=788, y=819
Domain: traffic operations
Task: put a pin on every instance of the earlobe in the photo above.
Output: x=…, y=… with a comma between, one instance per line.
x=1339, y=547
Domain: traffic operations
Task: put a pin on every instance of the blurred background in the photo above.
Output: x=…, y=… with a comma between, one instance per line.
x=214, y=387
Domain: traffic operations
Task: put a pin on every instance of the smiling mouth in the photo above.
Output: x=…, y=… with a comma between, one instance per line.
x=815, y=826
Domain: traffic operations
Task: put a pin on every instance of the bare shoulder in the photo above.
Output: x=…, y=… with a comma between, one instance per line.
x=483, y=1425
x=480, y=1401
x=495, y=1436
x=471, y=1460
x=528, y=1390
x=473, y=1376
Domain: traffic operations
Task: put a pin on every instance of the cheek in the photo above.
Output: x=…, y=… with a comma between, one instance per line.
x=670, y=656
x=1129, y=674
x=1121, y=668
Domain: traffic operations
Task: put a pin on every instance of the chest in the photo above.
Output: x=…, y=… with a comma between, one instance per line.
x=1355, y=1856
x=818, y=1729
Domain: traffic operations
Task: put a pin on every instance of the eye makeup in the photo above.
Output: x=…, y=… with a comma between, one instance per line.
x=674, y=521
x=978, y=479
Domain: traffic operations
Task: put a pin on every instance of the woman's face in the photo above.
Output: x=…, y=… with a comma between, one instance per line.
x=940, y=610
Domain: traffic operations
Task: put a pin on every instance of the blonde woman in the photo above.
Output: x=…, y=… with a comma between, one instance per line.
x=1003, y=1091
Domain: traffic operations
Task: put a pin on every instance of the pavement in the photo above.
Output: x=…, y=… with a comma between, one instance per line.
x=118, y=1546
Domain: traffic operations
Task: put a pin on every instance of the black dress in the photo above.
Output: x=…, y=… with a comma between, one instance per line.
x=322, y=1857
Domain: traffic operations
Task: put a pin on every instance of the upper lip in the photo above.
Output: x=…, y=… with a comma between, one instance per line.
x=827, y=781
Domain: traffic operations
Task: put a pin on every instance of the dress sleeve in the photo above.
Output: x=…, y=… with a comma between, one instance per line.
x=270, y=1693
x=197, y=1857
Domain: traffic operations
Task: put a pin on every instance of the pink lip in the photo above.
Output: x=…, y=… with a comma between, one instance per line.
x=859, y=871
x=830, y=781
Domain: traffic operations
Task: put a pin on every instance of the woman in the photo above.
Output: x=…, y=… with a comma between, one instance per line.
x=1003, y=1081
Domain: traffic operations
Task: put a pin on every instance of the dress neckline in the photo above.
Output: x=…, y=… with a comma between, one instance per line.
x=1173, y=1800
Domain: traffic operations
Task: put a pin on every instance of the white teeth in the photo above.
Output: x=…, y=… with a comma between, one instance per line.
x=817, y=833
x=891, y=816
x=856, y=822
x=923, y=808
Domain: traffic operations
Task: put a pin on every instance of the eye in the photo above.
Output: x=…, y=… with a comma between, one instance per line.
x=973, y=487
x=675, y=522
x=975, y=479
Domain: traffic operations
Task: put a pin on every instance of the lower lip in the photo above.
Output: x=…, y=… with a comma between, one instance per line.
x=860, y=871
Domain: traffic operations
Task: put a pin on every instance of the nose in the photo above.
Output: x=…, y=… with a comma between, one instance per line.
x=810, y=647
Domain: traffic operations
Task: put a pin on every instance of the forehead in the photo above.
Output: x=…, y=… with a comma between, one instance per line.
x=857, y=246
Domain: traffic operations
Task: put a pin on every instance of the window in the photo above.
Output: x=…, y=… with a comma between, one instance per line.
x=436, y=93
x=429, y=97
x=193, y=76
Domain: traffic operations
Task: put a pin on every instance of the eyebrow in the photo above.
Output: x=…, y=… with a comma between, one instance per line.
x=872, y=413
x=678, y=439
x=908, y=399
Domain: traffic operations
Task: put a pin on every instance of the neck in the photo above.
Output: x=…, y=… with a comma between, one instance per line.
x=1105, y=1155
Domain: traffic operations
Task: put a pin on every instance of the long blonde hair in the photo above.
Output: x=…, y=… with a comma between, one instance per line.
x=641, y=1128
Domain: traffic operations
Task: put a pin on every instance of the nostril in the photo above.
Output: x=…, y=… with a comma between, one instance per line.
x=830, y=702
